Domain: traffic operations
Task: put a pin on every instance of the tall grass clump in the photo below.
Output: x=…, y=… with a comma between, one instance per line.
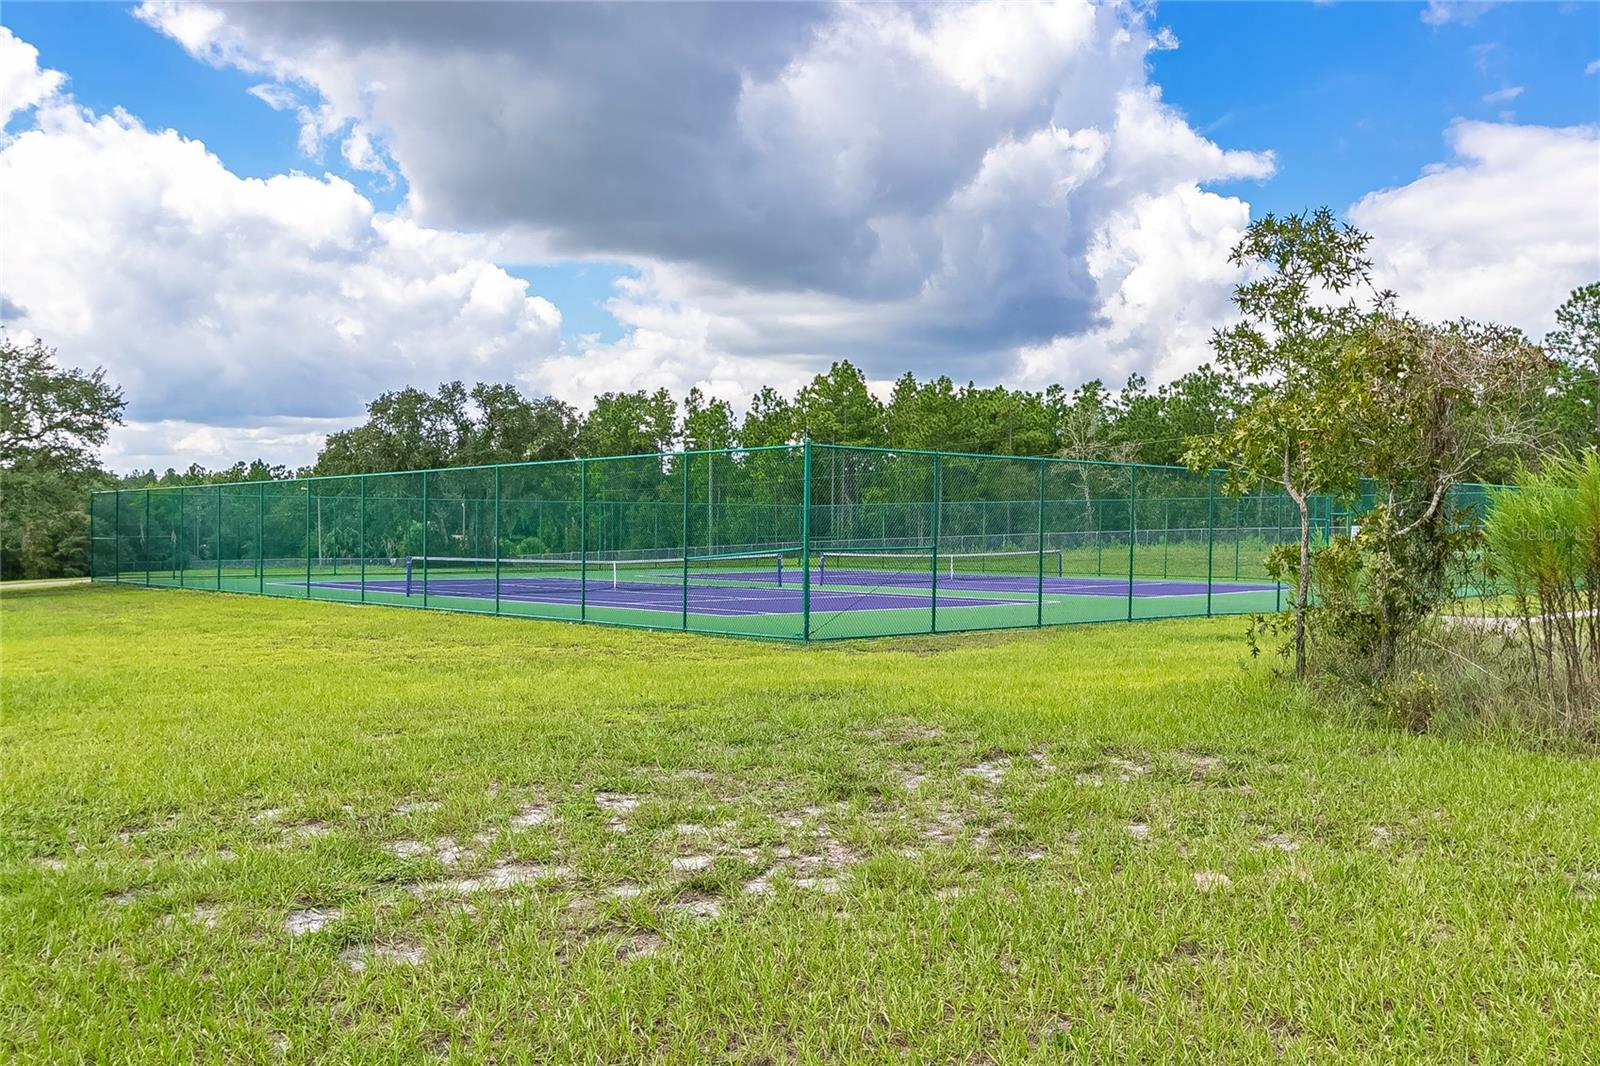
x=1543, y=546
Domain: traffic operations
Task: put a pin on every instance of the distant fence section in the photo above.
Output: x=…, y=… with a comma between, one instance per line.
x=796, y=542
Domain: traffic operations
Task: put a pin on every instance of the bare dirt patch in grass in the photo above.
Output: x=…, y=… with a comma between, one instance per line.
x=531, y=815
x=1128, y=769
x=398, y=952
x=1199, y=765
x=1279, y=842
x=500, y=876
x=640, y=945
x=702, y=908
x=990, y=771
x=616, y=802
x=310, y=920
x=905, y=733
x=692, y=863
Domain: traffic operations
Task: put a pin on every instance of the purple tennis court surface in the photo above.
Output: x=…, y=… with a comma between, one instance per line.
x=841, y=591
x=703, y=599
x=1028, y=584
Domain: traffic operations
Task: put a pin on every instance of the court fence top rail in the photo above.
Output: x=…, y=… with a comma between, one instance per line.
x=796, y=542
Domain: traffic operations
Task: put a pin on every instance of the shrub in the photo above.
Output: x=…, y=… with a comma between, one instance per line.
x=1543, y=543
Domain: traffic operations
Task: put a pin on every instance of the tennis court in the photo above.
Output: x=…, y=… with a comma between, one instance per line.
x=973, y=590
x=801, y=542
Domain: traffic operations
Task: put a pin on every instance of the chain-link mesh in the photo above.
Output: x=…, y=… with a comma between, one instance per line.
x=815, y=542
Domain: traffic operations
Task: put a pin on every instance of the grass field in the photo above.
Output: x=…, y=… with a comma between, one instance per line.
x=238, y=829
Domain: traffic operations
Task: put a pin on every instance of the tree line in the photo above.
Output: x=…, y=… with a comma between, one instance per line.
x=53, y=420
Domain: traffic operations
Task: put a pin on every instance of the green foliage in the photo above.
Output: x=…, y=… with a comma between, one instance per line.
x=1576, y=339
x=53, y=420
x=411, y=429
x=1286, y=351
x=707, y=423
x=629, y=423
x=1544, y=544
x=838, y=408
x=1424, y=406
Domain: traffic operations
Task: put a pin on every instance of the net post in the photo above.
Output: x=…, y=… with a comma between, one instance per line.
x=1210, y=533
x=424, y=538
x=805, y=539
x=583, y=540
x=1039, y=619
x=261, y=545
x=177, y=538
x=933, y=559
x=219, y=536
x=146, y=537
x=495, y=525
x=116, y=536
x=361, y=535
x=1133, y=529
x=685, y=542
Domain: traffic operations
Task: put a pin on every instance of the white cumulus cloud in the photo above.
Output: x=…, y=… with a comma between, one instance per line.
x=904, y=185
x=1500, y=233
x=222, y=301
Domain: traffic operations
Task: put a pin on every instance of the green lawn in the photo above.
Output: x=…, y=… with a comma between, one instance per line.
x=528, y=841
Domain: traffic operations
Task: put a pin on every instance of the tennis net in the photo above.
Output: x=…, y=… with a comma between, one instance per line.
x=902, y=567
x=467, y=576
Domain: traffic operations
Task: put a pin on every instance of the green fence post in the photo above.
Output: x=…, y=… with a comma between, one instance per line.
x=805, y=539
x=1237, y=501
x=1133, y=530
x=261, y=542
x=1099, y=543
x=307, y=488
x=116, y=536
x=91, y=535
x=424, y=539
x=1166, y=534
x=1039, y=620
x=361, y=535
x=177, y=538
x=685, y=459
x=1210, y=534
x=219, y=538
x=1276, y=537
x=495, y=525
x=146, y=538
x=583, y=540
x=933, y=559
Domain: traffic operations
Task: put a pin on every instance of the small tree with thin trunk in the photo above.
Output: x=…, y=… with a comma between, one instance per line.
x=1298, y=314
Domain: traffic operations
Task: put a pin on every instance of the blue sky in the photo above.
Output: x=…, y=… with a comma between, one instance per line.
x=588, y=198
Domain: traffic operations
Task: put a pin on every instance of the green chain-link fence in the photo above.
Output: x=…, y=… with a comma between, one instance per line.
x=801, y=542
